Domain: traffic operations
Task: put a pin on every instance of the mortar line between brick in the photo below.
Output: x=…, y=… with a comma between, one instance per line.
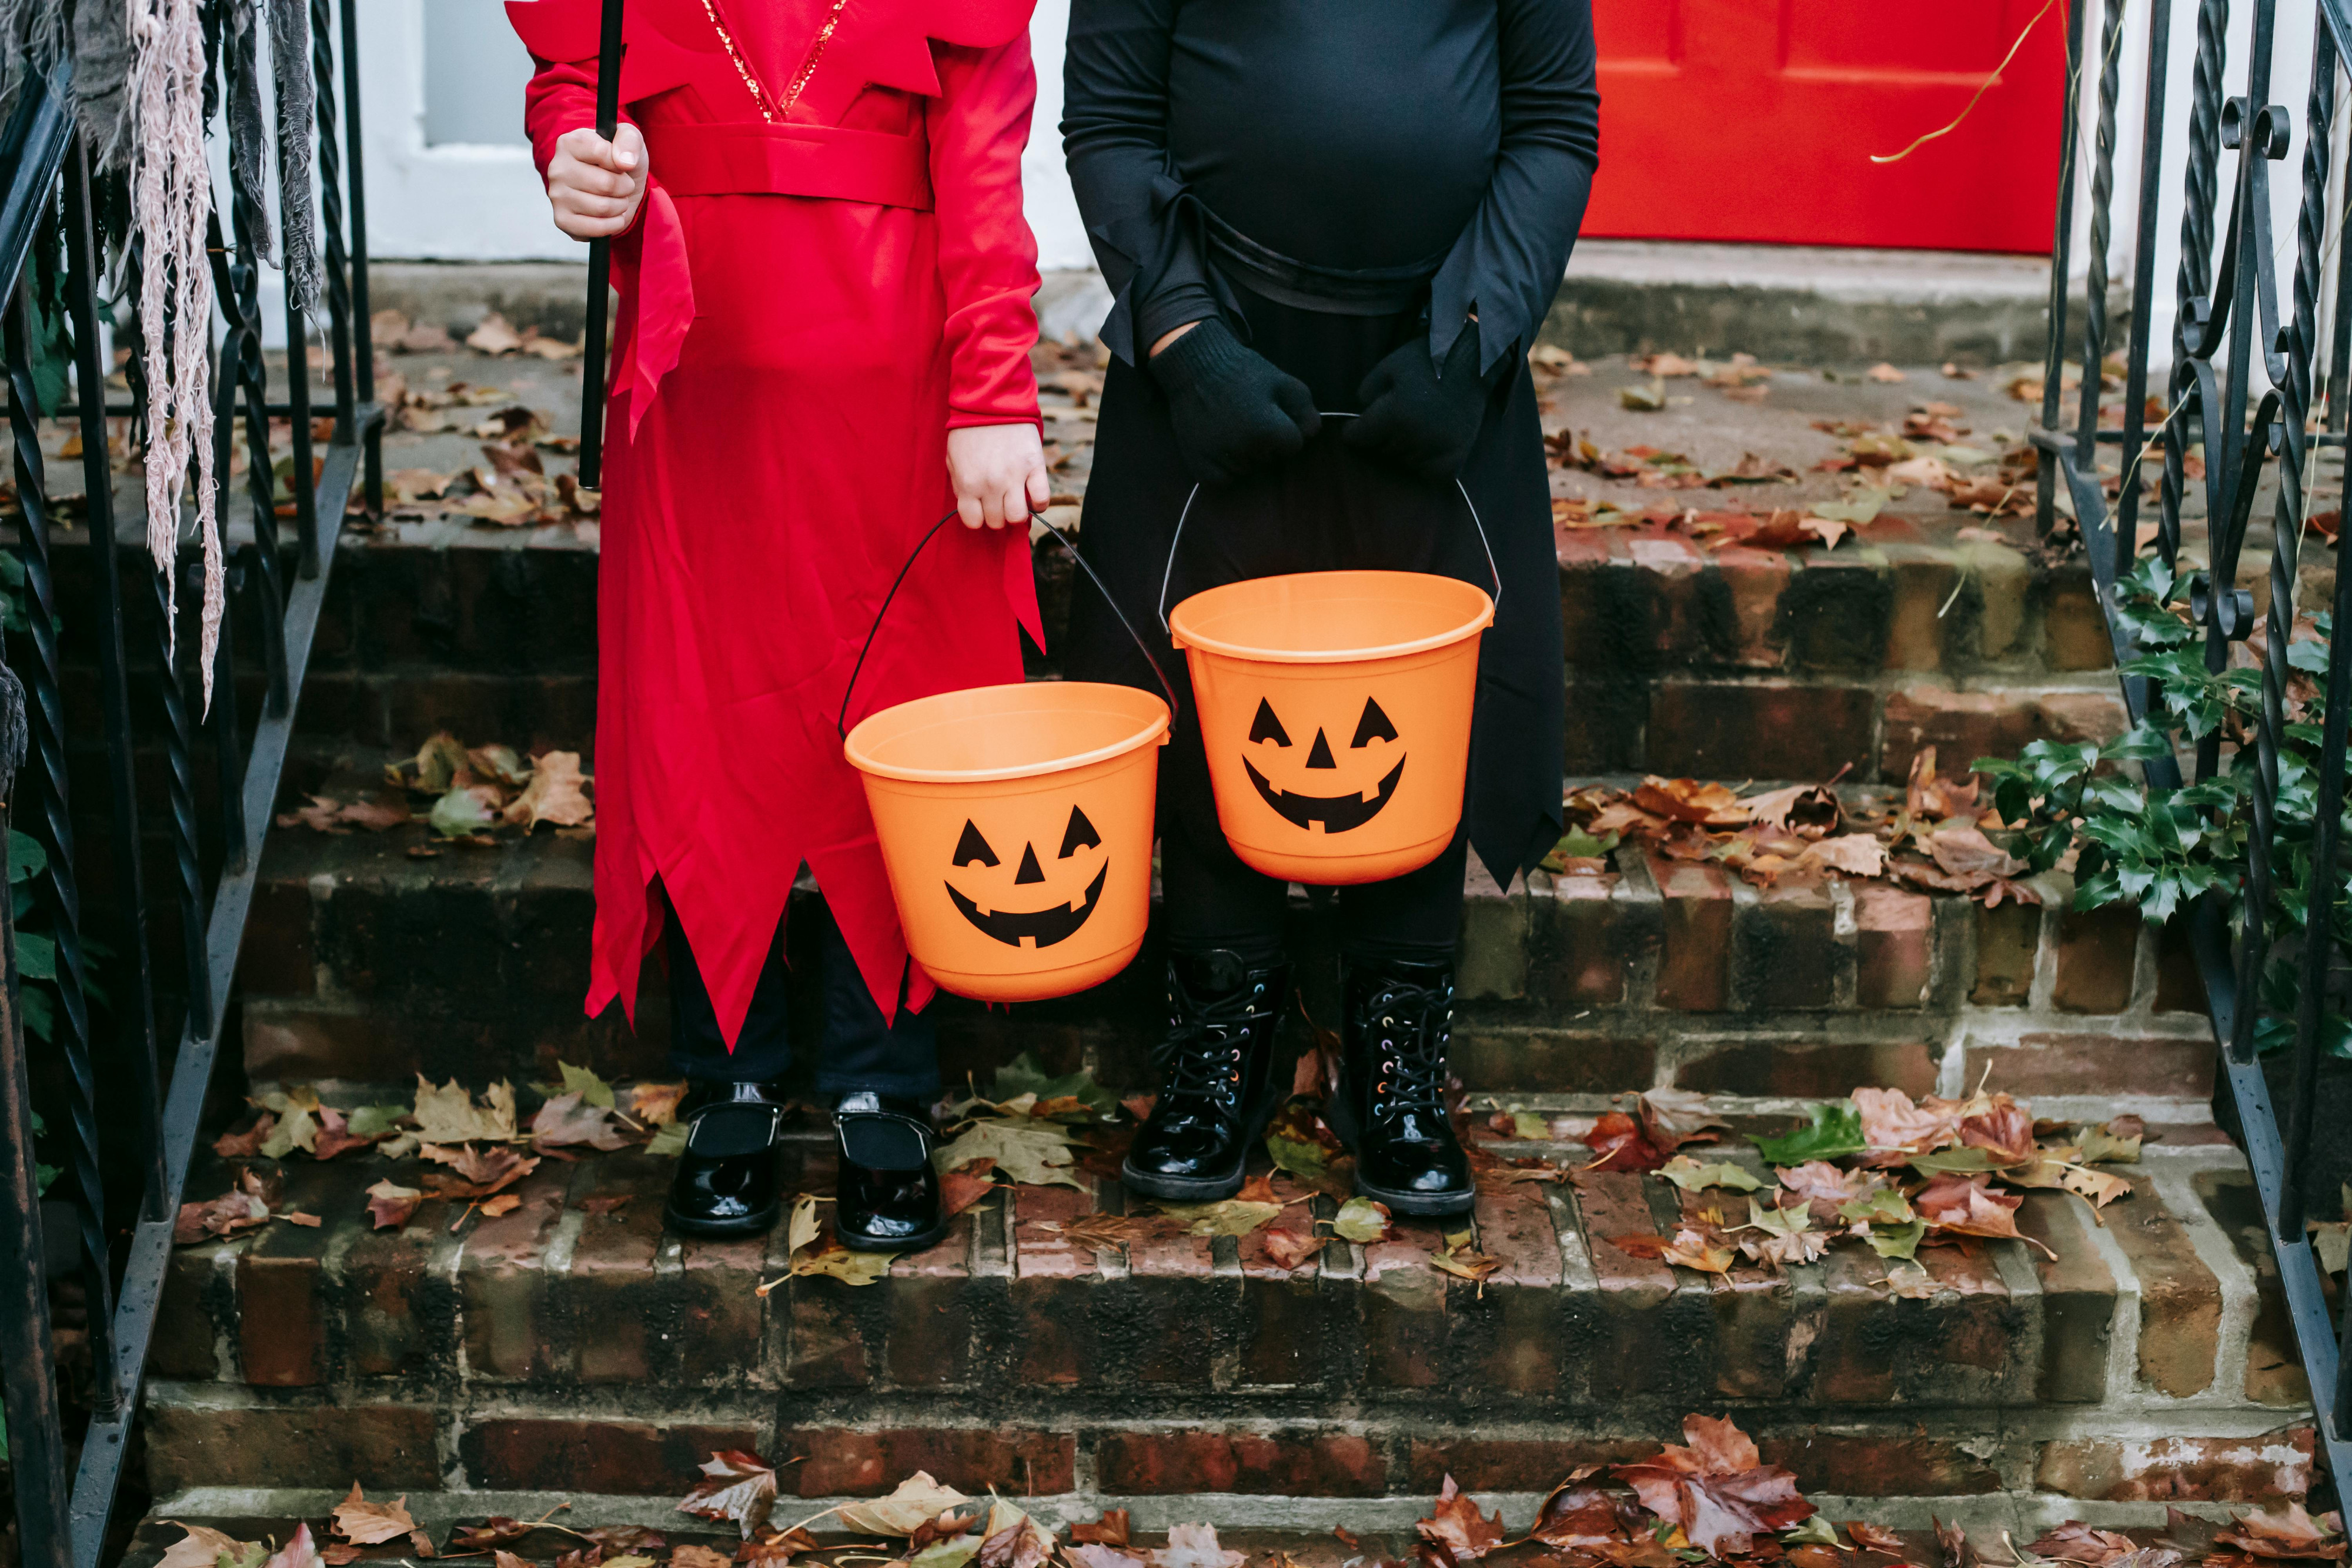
x=2240, y=1292
x=2123, y=1331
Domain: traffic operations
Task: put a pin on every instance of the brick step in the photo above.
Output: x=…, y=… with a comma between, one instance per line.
x=363, y=963
x=554, y=1349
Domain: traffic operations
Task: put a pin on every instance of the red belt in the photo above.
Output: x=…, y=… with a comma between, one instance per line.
x=792, y=161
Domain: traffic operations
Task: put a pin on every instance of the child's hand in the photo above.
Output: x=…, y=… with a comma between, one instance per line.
x=999, y=471
x=594, y=185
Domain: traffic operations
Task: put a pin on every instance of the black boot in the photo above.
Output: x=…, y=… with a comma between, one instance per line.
x=1215, y=1070
x=726, y=1182
x=889, y=1196
x=1392, y=1101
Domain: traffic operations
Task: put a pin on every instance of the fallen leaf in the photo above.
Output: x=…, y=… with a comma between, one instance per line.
x=299, y=1551
x=2078, y=1543
x=1673, y=1117
x=366, y=1523
x=1361, y=1220
x=479, y=1172
x=1833, y=1131
x=625, y=1539
x=202, y=1547
x=1293, y=1248
x=498, y=1529
x=505, y=1203
x=1692, y=1249
x=567, y=1121
x=1690, y=1176
x=1882, y=372
x=448, y=1114
x=1875, y=1538
x=242, y=1207
x=495, y=335
x=557, y=793
x=1618, y=1144
x=1967, y=1205
x=1855, y=854
x=965, y=1186
x=2287, y=1533
x=1094, y=1554
x=735, y=1485
x=1457, y=1525
x=391, y=1204
x=1032, y=1152
x=1890, y=1120
x=1013, y=1539
x=1195, y=1546
x=1952, y=1547
x=656, y=1104
x=1577, y=1514
x=689, y=1555
x=1718, y=1488
x=1110, y=1530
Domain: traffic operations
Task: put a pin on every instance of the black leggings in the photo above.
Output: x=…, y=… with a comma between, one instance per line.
x=1214, y=901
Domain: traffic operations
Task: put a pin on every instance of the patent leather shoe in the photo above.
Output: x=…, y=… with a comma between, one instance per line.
x=888, y=1193
x=1391, y=1108
x=726, y=1182
x=1216, y=1092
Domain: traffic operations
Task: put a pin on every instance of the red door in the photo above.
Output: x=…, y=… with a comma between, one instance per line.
x=1755, y=120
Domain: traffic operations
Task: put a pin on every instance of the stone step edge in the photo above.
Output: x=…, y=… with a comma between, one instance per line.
x=1984, y=1515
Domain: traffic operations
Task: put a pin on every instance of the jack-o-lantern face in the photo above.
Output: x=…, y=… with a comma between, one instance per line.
x=1335, y=812
x=1040, y=927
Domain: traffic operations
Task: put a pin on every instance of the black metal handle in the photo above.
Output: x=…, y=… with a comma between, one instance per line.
x=591, y=467
x=1168, y=572
x=841, y=719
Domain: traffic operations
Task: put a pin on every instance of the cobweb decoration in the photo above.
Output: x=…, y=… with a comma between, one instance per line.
x=170, y=194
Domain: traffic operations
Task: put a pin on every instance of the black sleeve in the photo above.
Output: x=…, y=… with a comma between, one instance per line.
x=1508, y=263
x=1114, y=138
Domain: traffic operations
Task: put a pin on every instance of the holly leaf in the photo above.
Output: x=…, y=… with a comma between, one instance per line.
x=1457, y=1525
x=365, y=1524
x=1833, y=1132
x=735, y=1485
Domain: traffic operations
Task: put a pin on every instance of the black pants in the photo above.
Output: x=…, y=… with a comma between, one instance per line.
x=856, y=1050
x=1212, y=900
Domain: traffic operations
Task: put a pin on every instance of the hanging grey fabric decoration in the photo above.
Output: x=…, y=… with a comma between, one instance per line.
x=171, y=197
x=32, y=39
x=103, y=61
x=290, y=57
x=248, y=135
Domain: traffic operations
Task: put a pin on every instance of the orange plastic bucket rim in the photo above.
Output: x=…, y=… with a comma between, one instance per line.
x=902, y=723
x=1470, y=606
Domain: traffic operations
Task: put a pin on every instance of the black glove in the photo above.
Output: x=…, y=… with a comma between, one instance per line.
x=1234, y=411
x=1418, y=420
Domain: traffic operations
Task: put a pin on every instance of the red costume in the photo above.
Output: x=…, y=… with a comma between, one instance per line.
x=829, y=270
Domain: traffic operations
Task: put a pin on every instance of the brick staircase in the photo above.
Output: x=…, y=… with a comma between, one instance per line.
x=560, y=1353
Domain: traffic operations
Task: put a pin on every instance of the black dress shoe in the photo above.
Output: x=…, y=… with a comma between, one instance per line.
x=726, y=1183
x=889, y=1196
x=1391, y=1108
x=1215, y=1070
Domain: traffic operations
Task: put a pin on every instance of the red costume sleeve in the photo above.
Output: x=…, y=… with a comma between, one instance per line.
x=978, y=124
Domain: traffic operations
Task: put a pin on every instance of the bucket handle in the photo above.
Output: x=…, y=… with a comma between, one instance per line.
x=1169, y=571
x=840, y=720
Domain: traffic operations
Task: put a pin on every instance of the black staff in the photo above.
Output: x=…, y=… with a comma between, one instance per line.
x=600, y=264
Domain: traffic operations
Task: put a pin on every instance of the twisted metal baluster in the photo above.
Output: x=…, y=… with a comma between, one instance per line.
x=2046, y=465
x=2286, y=528
x=61, y=893
x=331, y=217
x=363, y=344
x=2204, y=154
x=237, y=286
x=2098, y=531
x=2151, y=162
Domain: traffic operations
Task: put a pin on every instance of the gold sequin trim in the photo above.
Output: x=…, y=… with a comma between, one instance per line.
x=759, y=98
x=816, y=53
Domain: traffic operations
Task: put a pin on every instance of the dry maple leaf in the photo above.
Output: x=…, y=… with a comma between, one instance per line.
x=449, y=1115
x=965, y=1186
x=1891, y=1121
x=1649, y=1248
x=299, y=1551
x=1457, y=1525
x=1874, y=1538
x=1576, y=1515
x=1824, y=1187
x=1110, y=1530
x=735, y=1485
x=775, y=1551
x=916, y=1501
x=1952, y=1547
x=557, y=793
x=203, y=1546
x=1195, y=1546
x=1694, y=1249
x=1293, y=1248
x=2001, y=1129
x=1691, y=800
x=692, y=1556
x=623, y=1539
x=498, y=1529
x=1855, y=854
x=390, y=1204
x=567, y=1121
x=2288, y=1533
x=244, y=1145
x=334, y=1136
x=480, y=1172
x=1618, y=1144
x=1967, y=1205
x=1718, y=1490
x=1092, y=1555
x=2075, y=1542
x=1673, y=1117
x=1018, y=1541
x=656, y=1104
x=243, y=1208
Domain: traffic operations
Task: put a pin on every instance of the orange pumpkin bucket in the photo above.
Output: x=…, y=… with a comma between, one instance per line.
x=1015, y=824
x=1335, y=713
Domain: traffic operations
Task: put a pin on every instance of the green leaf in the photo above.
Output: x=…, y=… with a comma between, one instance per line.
x=1965, y=1160
x=27, y=858
x=36, y=957
x=1024, y=1074
x=1815, y=1532
x=458, y=813
x=1879, y=1205
x=373, y=1121
x=1360, y=1220
x=1836, y=1131
x=952, y=1554
x=669, y=1140
x=1690, y=1176
x=1898, y=1241
x=580, y=1081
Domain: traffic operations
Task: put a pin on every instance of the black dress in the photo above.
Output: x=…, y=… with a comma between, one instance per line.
x=1333, y=178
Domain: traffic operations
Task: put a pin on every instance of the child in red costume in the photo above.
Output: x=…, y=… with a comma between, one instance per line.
x=822, y=346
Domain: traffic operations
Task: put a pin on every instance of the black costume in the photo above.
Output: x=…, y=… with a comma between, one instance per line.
x=1378, y=200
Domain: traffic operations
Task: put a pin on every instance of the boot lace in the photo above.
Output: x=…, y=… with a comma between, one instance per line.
x=1410, y=1026
x=1207, y=1043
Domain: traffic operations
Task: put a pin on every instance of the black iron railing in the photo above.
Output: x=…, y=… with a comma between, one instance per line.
x=2239, y=401
x=129, y=1078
